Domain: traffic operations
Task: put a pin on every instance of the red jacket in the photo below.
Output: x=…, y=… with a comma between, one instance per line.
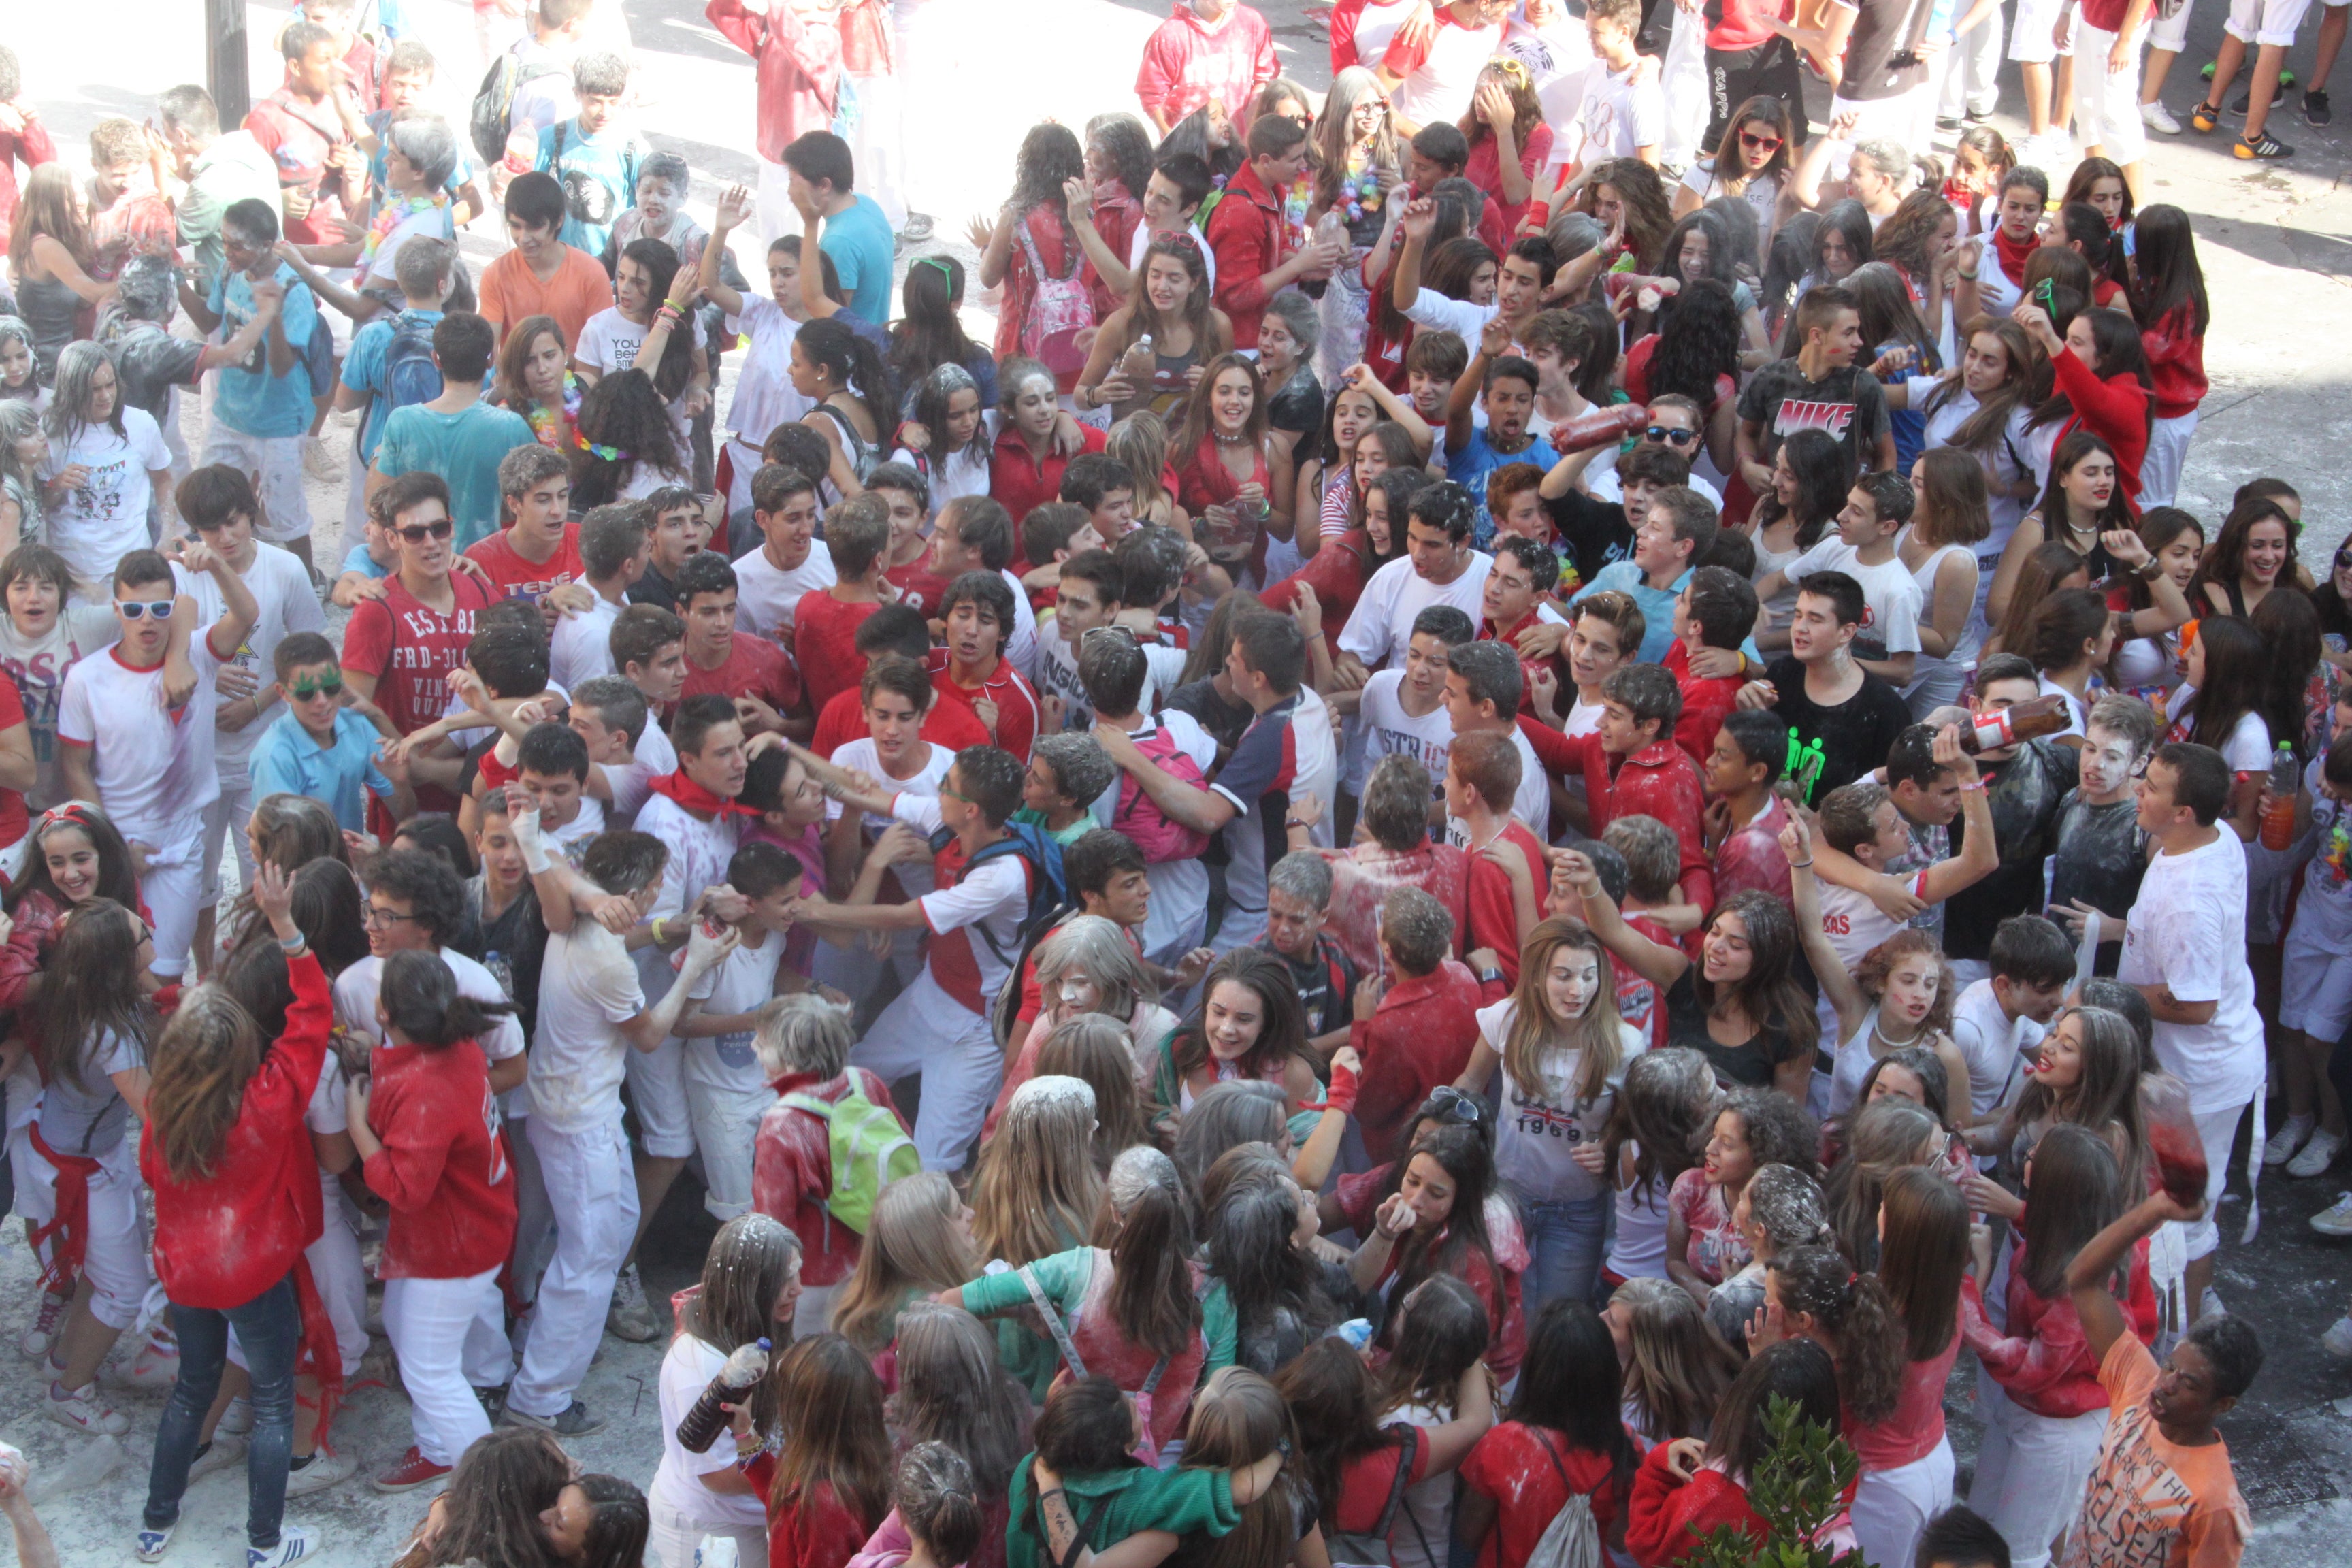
x=1660, y=780
x=1420, y=1038
x=1185, y=65
x=1667, y=1518
x=792, y=1172
x=1249, y=236
x=2116, y=410
x=443, y=1167
x=1338, y=572
x=818, y=1531
x=33, y=145
x=2043, y=1361
x=799, y=69
x=2176, y=358
x=224, y=1238
x=1016, y=699
x=1023, y=483
x=1704, y=702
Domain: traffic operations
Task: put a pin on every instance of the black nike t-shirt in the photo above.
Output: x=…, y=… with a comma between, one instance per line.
x=1848, y=402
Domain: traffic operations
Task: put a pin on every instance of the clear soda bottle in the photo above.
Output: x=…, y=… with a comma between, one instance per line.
x=2286, y=777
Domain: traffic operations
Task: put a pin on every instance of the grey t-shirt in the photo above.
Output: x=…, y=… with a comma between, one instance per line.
x=89, y=1117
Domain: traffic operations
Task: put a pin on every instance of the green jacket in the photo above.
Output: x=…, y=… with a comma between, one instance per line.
x=1112, y=1505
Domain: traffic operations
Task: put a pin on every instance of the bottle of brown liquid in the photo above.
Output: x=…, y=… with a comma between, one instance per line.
x=2006, y=727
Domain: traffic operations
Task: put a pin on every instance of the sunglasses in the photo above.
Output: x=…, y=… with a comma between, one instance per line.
x=418, y=533
x=1761, y=143
x=138, y=609
x=303, y=690
x=1447, y=1104
x=2344, y=560
x=1671, y=437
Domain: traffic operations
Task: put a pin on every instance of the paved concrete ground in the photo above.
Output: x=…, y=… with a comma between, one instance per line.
x=2274, y=244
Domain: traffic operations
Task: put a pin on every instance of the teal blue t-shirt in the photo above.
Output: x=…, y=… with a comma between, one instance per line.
x=463, y=448
x=364, y=372
x=249, y=399
x=858, y=240
x=598, y=175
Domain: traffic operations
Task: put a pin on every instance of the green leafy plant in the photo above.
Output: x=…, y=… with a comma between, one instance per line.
x=1799, y=1487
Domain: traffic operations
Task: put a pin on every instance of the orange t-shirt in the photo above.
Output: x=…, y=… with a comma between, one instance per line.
x=510, y=291
x=2152, y=1503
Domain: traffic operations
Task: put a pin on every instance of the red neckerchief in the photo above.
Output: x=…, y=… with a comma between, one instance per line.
x=694, y=798
x=2013, y=257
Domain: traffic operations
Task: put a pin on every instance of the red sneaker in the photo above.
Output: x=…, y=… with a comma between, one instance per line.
x=412, y=1471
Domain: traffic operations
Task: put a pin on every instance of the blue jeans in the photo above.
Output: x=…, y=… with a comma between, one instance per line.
x=269, y=1329
x=1567, y=1241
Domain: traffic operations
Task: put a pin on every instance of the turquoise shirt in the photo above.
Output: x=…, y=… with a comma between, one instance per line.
x=463, y=448
x=858, y=240
x=287, y=761
x=599, y=176
x=250, y=400
x=364, y=372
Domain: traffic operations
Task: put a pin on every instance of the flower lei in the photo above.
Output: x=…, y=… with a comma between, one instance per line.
x=542, y=423
x=1360, y=186
x=391, y=215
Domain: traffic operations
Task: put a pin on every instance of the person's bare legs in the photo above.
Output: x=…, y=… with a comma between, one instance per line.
x=2262, y=87
x=2035, y=82
x=2061, y=94
x=2332, y=20
x=2152, y=75
x=83, y=1344
x=2226, y=61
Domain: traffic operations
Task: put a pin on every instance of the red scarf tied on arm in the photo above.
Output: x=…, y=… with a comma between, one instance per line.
x=677, y=788
x=69, y=1226
x=2013, y=255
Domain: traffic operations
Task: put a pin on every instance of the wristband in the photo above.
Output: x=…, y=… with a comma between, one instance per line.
x=1488, y=976
x=656, y=928
x=1978, y=785
x=293, y=945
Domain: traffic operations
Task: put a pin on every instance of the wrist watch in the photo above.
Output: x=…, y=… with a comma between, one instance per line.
x=1487, y=976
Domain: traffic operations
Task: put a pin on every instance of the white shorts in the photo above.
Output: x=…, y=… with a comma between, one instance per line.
x=2029, y=41
x=2106, y=104
x=2171, y=33
x=726, y=1123
x=1896, y=117
x=2216, y=1130
x=114, y=1240
x=225, y=822
x=2270, y=22
x=2315, y=984
x=1891, y=1507
x=657, y=1093
x=2168, y=454
x=173, y=893
x=275, y=463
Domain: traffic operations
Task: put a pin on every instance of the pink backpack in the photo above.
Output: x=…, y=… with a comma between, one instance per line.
x=1160, y=836
x=1060, y=309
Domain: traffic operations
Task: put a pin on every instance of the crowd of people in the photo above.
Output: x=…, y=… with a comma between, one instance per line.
x=1535, y=760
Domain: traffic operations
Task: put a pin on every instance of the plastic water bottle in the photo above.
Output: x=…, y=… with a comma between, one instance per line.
x=2278, y=822
x=702, y=1425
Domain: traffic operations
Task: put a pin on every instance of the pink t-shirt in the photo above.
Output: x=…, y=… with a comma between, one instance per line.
x=1717, y=1251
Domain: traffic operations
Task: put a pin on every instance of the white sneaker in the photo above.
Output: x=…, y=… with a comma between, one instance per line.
x=2210, y=1306
x=2158, y=118
x=2337, y=1338
x=2291, y=1136
x=294, y=1544
x=219, y=1454
x=2337, y=1218
x=82, y=1410
x=157, y=1364
x=325, y=1468
x=40, y=1335
x=630, y=1316
x=320, y=461
x=238, y=1419
x=2317, y=1156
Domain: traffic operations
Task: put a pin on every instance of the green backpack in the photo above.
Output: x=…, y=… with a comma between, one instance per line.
x=870, y=1150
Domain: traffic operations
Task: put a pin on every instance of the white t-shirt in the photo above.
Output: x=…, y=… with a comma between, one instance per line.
x=1855, y=925
x=914, y=876
x=1376, y=28
x=587, y=988
x=1142, y=242
x=632, y=781
x=1440, y=88
x=699, y=854
x=1541, y=1124
x=582, y=647
x=2076, y=717
x=1890, y=594
x=1992, y=1043
x=1619, y=116
x=281, y=589
x=764, y=395
x=1390, y=730
x=357, y=989
x=609, y=343
x=1056, y=675
x=742, y=982
x=1380, y=626
x=2187, y=931
x=686, y=1372
x=1557, y=56
x=1021, y=648
x=766, y=595
x=991, y=898
x=1180, y=889
x=93, y=527
x=38, y=666
x=2247, y=749
x=155, y=774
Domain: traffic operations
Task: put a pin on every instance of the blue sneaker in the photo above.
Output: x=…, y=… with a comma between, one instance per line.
x=294, y=1543
x=153, y=1543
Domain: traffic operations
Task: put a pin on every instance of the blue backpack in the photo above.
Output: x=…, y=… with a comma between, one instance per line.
x=409, y=374
x=1049, y=890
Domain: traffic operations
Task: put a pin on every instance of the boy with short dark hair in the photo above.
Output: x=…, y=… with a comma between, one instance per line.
x=459, y=435
x=975, y=533
x=2000, y=1020
x=973, y=669
x=1717, y=609
x=722, y=661
x=322, y=748
x=1595, y=533
x=1745, y=815
x=1677, y=530
x=1114, y=677
x=1863, y=547
x=1631, y=764
x=612, y=549
x=792, y=561
x=541, y=276
x=1841, y=718
x=1105, y=487
x=1504, y=386
x=1959, y=1537
x=1822, y=388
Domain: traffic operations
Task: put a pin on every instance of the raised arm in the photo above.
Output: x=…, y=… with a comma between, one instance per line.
x=1659, y=965
x=2087, y=1274
x=735, y=208
x=1805, y=896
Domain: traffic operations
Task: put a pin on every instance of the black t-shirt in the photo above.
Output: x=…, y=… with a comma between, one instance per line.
x=150, y=362
x=1848, y=402
x=1592, y=533
x=1326, y=982
x=1829, y=747
x=1299, y=405
x=2024, y=793
x=1224, y=721
x=2101, y=857
x=1882, y=30
x=652, y=588
x=1748, y=1066
x=512, y=947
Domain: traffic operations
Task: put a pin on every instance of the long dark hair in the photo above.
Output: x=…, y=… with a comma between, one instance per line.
x=1888, y=315
x=929, y=334
x=1854, y=1309
x=420, y=996
x=1794, y=1369
x=624, y=414
x=502, y=1484
x=1087, y=1428
x=2074, y=1193
x=1769, y=993
x=932, y=397
x=617, y=1522
x=2225, y=558
x=1990, y=422
x=2170, y=280
x=2237, y=679
x=1126, y=145
x=2117, y=338
x=832, y=1431
x=1336, y=1400
x=1443, y=1333
x=2103, y=247
x=1824, y=473
x=1151, y=1297
x=1570, y=1383
x=660, y=263
x=89, y=989
x=1273, y=1286
x=2158, y=527
x=1763, y=107
x=116, y=879
x=1466, y=1155
x=2288, y=623
x=857, y=364
x=1196, y=310
x=1698, y=339
x=1283, y=1032
x=1049, y=155
x=2057, y=526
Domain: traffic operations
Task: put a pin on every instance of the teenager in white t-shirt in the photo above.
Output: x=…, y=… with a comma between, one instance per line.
x=769, y=581
x=1429, y=74
x=149, y=766
x=1623, y=111
x=41, y=637
x=100, y=481
x=1403, y=710
x=2000, y=1018
x=1864, y=548
x=727, y=1091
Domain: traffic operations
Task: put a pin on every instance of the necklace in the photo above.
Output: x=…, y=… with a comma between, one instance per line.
x=1225, y=441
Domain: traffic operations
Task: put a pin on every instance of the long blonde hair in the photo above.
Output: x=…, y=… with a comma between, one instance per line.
x=1140, y=441
x=1595, y=1038
x=201, y=1063
x=1099, y=1049
x=1679, y=1367
x=911, y=1249
x=1335, y=135
x=1037, y=1189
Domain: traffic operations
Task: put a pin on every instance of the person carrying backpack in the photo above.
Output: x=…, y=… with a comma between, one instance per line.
x=528, y=86
x=1032, y=253
x=391, y=363
x=995, y=881
x=1546, y=1487
x=826, y=1148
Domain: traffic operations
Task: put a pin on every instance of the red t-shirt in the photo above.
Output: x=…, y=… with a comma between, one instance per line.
x=1514, y=1464
x=824, y=642
x=517, y=577
x=947, y=724
x=1493, y=918
x=443, y=1167
x=408, y=648
x=13, y=819
x=919, y=587
x=754, y=667
x=1366, y=1480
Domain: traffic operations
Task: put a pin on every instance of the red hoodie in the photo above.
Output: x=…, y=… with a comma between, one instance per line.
x=224, y=1238
x=2044, y=1362
x=1660, y=780
x=2176, y=358
x=1667, y=1518
x=443, y=1167
x=2116, y=410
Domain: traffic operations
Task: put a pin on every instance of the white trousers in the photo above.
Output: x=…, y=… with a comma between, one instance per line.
x=1968, y=79
x=725, y=1125
x=2031, y=1471
x=2106, y=103
x=2172, y=32
x=592, y=1189
x=430, y=1321
x=1684, y=81
x=1891, y=1507
x=2216, y=1130
x=927, y=1031
x=672, y=1535
x=173, y=893
x=2168, y=454
x=225, y=822
x=275, y=464
x=114, y=1252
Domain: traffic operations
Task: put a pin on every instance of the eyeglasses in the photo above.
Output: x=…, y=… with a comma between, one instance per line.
x=373, y=916
x=1671, y=437
x=150, y=609
x=418, y=533
x=303, y=690
x=1761, y=143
